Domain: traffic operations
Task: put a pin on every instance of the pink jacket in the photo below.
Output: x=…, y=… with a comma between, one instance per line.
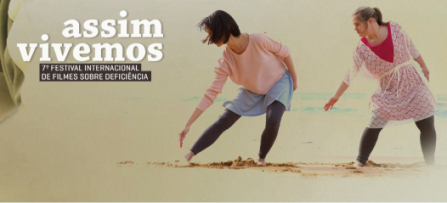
x=256, y=69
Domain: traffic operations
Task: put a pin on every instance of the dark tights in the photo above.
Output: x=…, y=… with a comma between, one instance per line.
x=428, y=140
x=228, y=118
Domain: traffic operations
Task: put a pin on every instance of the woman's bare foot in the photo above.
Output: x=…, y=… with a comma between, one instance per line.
x=358, y=164
x=189, y=156
x=261, y=162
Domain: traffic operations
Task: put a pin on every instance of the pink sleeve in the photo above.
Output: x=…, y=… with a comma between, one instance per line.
x=409, y=43
x=354, y=70
x=275, y=47
x=216, y=86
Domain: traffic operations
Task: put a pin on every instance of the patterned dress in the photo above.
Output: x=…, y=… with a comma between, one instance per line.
x=402, y=94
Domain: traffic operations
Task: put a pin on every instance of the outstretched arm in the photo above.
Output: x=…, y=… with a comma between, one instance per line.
x=346, y=82
x=208, y=98
x=343, y=87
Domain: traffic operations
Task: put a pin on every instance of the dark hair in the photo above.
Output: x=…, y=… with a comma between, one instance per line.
x=221, y=25
x=365, y=13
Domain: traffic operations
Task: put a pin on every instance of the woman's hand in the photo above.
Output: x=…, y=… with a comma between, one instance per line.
x=194, y=116
x=295, y=86
x=334, y=99
x=426, y=73
x=330, y=103
x=182, y=135
x=289, y=63
x=423, y=66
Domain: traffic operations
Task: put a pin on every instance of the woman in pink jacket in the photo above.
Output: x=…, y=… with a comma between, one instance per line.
x=386, y=53
x=255, y=62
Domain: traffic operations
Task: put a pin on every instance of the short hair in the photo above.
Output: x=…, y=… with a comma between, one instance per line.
x=221, y=25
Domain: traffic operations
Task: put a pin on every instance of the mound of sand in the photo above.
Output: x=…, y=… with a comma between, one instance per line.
x=126, y=162
x=239, y=163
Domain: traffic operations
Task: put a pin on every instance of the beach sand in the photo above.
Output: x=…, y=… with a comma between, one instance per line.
x=309, y=169
x=67, y=139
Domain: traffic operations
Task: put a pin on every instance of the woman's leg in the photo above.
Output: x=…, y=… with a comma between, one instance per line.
x=428, y=138
x=273, y=119
x=370, y=136
x=367, y=143
x=225, y=121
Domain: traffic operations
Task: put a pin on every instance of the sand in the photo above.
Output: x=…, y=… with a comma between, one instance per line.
x=65, y=141
x=305, y=169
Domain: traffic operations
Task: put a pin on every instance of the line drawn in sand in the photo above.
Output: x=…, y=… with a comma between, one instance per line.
x=308, y=170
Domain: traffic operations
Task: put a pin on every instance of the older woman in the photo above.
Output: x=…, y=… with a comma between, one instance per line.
x=255, y=62
x=386, y=54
